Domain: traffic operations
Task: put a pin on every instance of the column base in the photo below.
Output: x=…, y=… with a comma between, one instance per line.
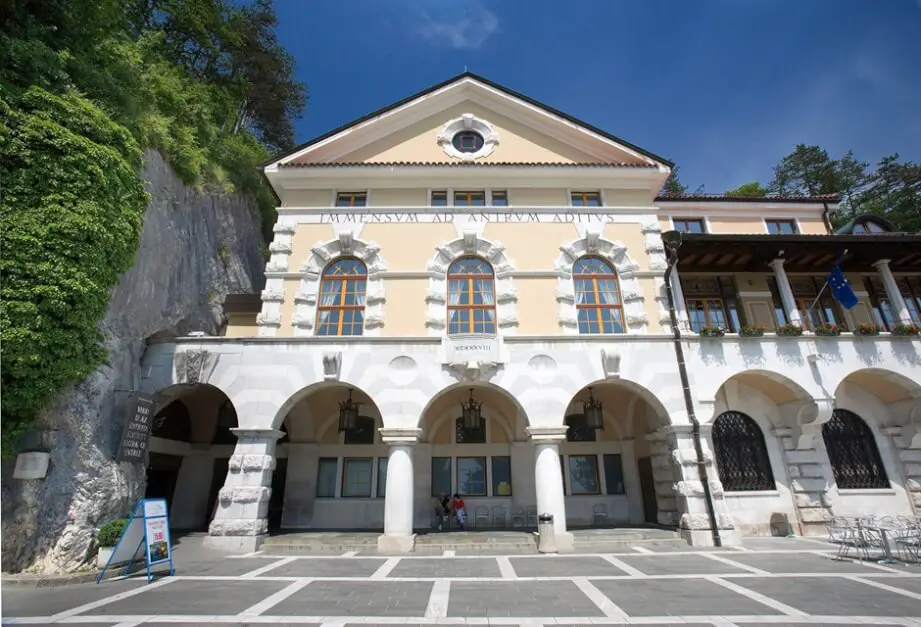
x=564, y=543
x=703, y=537
x=234, y=544
x=396, y=544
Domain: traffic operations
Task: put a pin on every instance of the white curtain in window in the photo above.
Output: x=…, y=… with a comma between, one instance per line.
x=581, y=291
x=454, y=298
x=358, y=288
x=330, y=296
x=485, y=288
x=607, y=291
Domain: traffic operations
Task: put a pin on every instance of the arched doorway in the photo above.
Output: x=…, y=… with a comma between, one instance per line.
x=190, y=445
x=490, y=464
x=334, y=470
x=615, y=466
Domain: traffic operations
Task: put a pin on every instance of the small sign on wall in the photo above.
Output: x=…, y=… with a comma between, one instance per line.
x=32, y=465
x=472, y=348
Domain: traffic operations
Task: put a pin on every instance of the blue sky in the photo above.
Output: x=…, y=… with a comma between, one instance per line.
x=724, y=88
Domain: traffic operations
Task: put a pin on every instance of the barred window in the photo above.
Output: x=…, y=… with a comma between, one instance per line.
x=852, y=451
x=742, y=460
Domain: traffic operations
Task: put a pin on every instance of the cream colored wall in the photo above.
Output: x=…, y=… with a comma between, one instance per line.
x=531, y=245
x=404, y=311
x=627, y=198
x=517, y=142
x=408, y=246
x=307, y=198
x=630, y=234
x=398, y=197
x=736, y=225
x=648, y=285
x=751, y=282
x=812, y=226
x=537, y=197
x=241, y=325
x=538, y=311
x=305, y=237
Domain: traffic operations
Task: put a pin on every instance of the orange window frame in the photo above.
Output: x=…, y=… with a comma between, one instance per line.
x=343, y=280
x=469, y=278
x=597, y=306
x=468, y=196
x=707, y=301
x=584, y=196
x=778, y=223
x=347, y=199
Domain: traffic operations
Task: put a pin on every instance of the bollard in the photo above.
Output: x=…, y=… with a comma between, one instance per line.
x=546, y=542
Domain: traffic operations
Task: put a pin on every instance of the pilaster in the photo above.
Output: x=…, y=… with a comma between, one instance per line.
x=805, y=467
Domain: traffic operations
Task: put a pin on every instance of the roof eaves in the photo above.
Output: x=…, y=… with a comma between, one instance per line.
x=825, y=198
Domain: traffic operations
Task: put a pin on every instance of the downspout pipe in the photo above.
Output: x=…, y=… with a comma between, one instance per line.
x=826, y=219
x=672, y=241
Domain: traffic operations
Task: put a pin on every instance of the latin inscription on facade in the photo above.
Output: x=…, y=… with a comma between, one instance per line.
x=492, y=216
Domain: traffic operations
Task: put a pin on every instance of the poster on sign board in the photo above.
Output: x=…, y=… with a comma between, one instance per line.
x=147, y=527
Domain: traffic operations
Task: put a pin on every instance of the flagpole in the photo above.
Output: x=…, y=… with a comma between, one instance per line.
x=812, y=306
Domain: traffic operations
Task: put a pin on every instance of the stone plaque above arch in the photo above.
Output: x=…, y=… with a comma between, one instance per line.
x=468, y=122
x=471, y=244
x=615, y=253
x=321, y=255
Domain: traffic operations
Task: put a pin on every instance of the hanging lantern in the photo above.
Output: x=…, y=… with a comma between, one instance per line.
x=471, y=413
x=594, y=418
x=348, y=414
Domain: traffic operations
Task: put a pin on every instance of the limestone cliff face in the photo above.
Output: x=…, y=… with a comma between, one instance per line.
x=195, y=248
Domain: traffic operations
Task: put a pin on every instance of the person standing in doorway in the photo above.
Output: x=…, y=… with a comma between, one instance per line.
x=442, y=510
x=460, y=511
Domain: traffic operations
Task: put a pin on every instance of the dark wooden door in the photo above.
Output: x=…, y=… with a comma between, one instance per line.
x=648, y=487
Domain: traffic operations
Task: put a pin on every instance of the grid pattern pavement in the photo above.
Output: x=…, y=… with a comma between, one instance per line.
x=781, y=582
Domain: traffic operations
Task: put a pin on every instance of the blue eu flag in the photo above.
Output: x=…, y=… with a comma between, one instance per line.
x=840, y=288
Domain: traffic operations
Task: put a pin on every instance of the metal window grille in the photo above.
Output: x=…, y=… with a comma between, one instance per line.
x=470, y=436
x=741, y=456
x=363, y=433
x=852, y=452
x=579, y=431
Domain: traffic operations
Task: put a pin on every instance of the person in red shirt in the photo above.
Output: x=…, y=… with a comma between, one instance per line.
x=460, y=511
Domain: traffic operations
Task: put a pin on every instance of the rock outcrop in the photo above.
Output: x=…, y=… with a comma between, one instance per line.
x=195, y=248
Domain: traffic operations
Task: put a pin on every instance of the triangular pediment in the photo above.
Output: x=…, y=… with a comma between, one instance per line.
x=418, y=130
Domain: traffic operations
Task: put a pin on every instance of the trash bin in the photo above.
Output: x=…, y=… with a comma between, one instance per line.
x=546, y=542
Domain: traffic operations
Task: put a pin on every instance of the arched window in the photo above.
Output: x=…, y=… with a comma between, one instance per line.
x=852, y=452
x=341, y=310
x=471, y=297
x=742, y=460
x=597, y=296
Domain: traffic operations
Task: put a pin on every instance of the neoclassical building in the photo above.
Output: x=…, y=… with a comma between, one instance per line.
x=471, y=292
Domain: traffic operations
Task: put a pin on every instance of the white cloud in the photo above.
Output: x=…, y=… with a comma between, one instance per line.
x=455, y=24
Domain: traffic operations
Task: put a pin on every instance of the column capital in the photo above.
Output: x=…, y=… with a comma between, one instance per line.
x=262, y=434
x=406, y=436
x=882, y=263
x=777, y=263
x=547, y=435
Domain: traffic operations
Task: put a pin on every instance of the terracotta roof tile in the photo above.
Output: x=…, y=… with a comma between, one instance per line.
x=833, y=198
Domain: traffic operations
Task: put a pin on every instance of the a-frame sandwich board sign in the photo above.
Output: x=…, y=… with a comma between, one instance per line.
x=148, y=526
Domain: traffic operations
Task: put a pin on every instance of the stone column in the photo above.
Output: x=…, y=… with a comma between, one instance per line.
x=398, y=534
x=664, y=477
x=548, y=480
x=681, y=309
x=695, y=523
x=632, y=482
x=896, y=302
x=786, y=293
x=240, y=523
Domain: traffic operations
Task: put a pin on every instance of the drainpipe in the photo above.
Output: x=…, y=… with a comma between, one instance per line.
x=672, y=240
x=825, y=218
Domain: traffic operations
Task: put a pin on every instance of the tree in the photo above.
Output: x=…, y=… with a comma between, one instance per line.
x=893, y=190
x=673, y=186
x=748, y=190
x=809, y=171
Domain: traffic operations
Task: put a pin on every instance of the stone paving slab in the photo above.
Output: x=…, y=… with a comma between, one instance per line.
x=519, y=599
x=833, y=596
x=307, y=567
x=194, y=597
x=678, y=565
x=910, y=584
x=587, y=566
x=48, y=601
x=356, y=598
x=678, y=597
x=225, y=567
x=800, y=563
x=441, y=567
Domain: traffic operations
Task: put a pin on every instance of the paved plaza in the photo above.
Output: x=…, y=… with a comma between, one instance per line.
x=777, y=581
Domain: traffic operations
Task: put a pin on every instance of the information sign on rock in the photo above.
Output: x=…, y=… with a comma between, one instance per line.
x=136, y=436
